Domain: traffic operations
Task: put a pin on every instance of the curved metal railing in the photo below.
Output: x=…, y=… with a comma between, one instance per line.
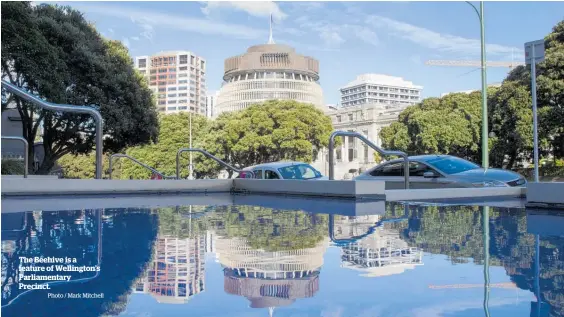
x=222, y=163
x=66, y=108
x=118, y=155
x=26, y=151
x=370, y=144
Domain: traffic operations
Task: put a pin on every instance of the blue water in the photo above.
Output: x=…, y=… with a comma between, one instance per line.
x=255, y=261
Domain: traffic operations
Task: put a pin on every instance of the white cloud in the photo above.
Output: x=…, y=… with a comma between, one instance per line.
x=331, y=37
x=111, y=30
x=178, y=22
x=434, y=40
x=258, y=8
x=365, y=34
x=148, y=31
x=334, y=34
x=135, y=38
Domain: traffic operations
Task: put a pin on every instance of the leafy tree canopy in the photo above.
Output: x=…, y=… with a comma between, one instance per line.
x=272, y=131
x=174, y=134
x=447, y=125
x=53, y=52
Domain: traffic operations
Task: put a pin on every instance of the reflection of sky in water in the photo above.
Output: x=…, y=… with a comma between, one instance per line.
x=167, y=264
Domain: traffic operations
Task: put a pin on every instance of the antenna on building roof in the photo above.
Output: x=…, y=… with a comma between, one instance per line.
x=270, y=38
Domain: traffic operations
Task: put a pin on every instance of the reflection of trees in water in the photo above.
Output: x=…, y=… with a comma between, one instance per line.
x=456, y=231
x=128, y=236
x=269, y=229
x=16, y=238
x=270, y=257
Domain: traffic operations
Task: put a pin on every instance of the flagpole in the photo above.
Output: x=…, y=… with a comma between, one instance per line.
x=270, y=38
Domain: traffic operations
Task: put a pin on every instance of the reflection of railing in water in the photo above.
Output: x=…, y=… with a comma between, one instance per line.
x=99, y=263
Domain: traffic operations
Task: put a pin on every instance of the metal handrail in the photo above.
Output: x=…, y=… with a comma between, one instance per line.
x=222, y=163
x=67, y=108
x=119, y=155
x=370, y=144
x=26, y=150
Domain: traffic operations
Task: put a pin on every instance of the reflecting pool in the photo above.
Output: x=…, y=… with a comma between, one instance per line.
x=411, y=260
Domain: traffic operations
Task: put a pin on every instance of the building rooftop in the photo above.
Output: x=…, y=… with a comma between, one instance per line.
x=380, y=79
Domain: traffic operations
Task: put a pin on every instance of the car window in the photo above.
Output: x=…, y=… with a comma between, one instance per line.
x=270, y=175
x=452, y=165
x=258, y=173
x=418, y=169
x=299, y=171
x=394, y=169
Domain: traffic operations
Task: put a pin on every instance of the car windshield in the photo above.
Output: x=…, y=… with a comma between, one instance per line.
x=452, y=165
x=300, y=171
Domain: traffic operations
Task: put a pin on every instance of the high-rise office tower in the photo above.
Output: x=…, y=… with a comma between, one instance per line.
x=177, y=79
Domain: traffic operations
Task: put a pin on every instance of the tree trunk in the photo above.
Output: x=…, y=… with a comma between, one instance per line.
x=46, y=166
x=559, y=146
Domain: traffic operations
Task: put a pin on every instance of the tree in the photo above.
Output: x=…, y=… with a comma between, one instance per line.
x=550, y=93
x=449, y=125
x=84, y=166
x=551, y=90
x=53, y=52
x=511, y=118
x=173, y=135
x=270, y=230
x=272, y=131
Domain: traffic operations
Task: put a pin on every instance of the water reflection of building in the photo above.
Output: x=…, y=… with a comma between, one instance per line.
x=176, y=272
x=270, y=279
x=350, y=227
x=380, y=253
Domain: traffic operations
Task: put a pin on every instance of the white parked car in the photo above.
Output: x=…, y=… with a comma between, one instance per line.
x=284, y=170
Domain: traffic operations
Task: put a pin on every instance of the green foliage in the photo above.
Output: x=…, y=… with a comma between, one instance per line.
x=550, y=79
x=83, y=166
x=377, y=157
x=447, y=125
x=510, y=117
x=12, y=167
x=270, y=230
x=179, y=222
x=55, y=53
x=173, y=135
x=272, y=131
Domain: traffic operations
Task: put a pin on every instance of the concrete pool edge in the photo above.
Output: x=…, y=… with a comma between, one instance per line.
x=545, y=195
x=537, y=194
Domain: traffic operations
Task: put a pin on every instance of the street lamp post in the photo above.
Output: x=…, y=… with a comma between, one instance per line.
x=485, y=150
x=190, y=175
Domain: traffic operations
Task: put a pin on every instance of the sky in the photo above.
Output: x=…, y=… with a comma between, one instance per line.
x=348, y=38
x=344, y=292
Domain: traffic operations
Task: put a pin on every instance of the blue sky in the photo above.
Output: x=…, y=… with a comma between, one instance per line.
x=348, y=38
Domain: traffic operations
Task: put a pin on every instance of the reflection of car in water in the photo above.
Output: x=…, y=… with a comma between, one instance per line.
x=282, y=170
x=441, y=171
